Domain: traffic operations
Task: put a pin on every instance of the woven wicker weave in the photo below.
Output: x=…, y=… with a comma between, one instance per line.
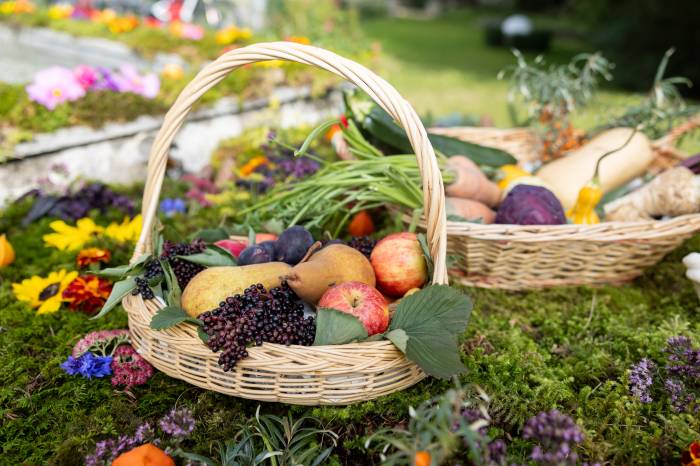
x=523, y=257
x=313, y=375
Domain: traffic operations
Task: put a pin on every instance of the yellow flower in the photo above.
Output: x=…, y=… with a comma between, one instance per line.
x=44, y=293
x=510, y=173
x=70, y=238
x=173, y=71
x=60, y=11
x=231, y=34
x=583, y=212
x=128, y=230
x=7, y=8
x=298, y=39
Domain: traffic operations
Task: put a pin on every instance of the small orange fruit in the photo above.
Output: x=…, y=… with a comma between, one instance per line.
x=7, y=253
x=422, y=458
x=145, y=455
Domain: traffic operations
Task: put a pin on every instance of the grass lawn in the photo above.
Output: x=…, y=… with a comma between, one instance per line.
x=443, y=66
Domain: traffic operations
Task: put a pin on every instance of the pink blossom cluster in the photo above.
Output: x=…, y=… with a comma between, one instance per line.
x=100, y=341
x=56, y=85
x=129, y=368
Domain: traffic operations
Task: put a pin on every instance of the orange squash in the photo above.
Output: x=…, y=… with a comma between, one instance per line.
x=145, y=455
x=7, y=254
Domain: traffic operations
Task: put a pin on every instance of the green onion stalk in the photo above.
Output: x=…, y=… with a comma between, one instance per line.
x=341, y=188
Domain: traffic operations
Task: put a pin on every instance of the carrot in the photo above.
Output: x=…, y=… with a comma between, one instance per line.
x=471, y=183
x=470, y=209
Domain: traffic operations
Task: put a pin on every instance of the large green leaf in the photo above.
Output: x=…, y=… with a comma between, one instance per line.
x=426, y=325
x=211, y=235
x=383, y=127
x=334, y=327
x=119, y=291
x=212, y=256
x=170, y=316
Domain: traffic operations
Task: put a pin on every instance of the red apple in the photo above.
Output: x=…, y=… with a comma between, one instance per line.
x=399, y=264
x=360, y=300
x=235, y=246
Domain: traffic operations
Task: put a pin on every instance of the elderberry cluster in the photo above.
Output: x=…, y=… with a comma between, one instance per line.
x=183, y=270
x=256, y=316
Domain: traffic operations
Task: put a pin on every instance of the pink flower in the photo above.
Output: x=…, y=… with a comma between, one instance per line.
x=85, y=75
x=53, y=86
x=129, y=80
x=129, y=368
x=100, y=341
x=191, y=31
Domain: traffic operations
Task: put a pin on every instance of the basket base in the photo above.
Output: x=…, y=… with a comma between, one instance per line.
x=302, y=375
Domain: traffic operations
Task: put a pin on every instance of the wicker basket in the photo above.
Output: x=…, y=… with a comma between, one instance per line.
x=523, y=257
x=312, y=375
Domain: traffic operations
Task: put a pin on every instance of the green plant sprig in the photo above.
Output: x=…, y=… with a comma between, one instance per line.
x=342, y=188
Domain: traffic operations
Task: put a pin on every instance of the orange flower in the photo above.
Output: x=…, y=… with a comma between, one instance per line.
x=87, y=293
x=252, y=164
x=691, y=456
x=92, y=256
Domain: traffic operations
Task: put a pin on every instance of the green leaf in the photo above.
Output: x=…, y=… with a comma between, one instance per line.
x=212, y=256
x=174, y=291
x=202, y=335
x=383, y=127
x=119, y=291
x=170, y=316
x=334, y=327
x=211, y=235
x=399, y=338
x=423, y=241
x=426, y=325
x=123, y=270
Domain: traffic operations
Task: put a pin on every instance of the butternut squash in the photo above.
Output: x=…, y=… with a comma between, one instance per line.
x=567, y=175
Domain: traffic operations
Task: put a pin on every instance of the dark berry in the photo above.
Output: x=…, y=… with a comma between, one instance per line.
x=364, y=244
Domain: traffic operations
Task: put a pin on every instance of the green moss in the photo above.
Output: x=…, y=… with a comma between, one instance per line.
x=564, y=348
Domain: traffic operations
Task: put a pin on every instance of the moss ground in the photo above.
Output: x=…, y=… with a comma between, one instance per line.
x=565, y=348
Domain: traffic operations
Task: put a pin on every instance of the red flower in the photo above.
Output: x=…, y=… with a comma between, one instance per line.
x=87, y=293
x=92, y=256
x=129, y=368
x=344, y=121
x=691, y=457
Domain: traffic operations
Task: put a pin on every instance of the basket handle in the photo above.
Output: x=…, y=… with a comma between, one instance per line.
x=665, y=143
x=378, y=89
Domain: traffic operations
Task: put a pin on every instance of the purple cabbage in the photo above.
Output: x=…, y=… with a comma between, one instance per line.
x=530, y=205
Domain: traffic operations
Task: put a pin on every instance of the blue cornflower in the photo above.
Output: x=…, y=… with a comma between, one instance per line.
x=88, y=365
x=171, y=207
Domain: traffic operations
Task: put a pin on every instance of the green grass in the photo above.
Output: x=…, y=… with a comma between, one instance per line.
x=444, y=66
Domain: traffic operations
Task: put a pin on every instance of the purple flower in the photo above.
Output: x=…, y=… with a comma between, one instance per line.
x=171, y=207
x=178, y=423
x=86, y=76
x=556, y=434
x=129, y=80
x=106, y=80
x=88, y=365
x=53, y=86
x=144, y=433
x=641, y=380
